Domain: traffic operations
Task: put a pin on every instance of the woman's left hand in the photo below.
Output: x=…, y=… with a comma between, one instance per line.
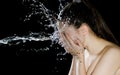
x=73, y=47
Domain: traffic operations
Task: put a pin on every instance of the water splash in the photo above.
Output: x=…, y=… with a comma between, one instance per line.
x=30, y=37
x=46, y=21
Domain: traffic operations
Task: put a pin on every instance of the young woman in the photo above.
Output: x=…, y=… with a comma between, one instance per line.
x=81, y=30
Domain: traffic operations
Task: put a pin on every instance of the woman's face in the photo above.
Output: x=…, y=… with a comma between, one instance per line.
x=70, y=30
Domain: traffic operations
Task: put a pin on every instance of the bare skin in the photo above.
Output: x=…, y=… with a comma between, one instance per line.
x=103, y=55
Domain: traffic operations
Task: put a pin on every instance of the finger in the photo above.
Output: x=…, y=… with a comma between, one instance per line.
x=67, y=49
x=67, y=45
x=78, y=47
x=74, y=50
x=81, y=46
x=77, y=42
x=65, y=40
x=69, y=40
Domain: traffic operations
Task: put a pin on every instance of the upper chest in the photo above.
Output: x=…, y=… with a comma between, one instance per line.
x=91, y=62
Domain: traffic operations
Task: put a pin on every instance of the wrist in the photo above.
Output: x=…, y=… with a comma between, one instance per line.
x=80, y=55
x=76, y=58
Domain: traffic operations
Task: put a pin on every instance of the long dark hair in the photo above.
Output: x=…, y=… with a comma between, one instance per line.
x=77, y=13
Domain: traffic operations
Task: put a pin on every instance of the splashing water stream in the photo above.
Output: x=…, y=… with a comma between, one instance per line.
x=45, y=20
x=48, y=31
x=37, y=8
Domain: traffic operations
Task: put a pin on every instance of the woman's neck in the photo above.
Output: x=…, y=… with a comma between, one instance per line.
x=95, y=45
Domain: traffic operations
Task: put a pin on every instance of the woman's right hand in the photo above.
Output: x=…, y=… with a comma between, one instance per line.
x=75, y=48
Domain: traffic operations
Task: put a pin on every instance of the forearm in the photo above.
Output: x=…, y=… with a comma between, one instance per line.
x=77, y=66
x=82, y=69
x=72, y=70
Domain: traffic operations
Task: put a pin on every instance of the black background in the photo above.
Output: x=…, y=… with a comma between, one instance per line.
x=14, y=61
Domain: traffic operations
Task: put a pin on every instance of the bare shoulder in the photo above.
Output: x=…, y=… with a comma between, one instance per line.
x=112, y=52
x=109, y=63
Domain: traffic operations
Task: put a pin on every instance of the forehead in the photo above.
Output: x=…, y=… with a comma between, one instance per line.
x=61, y=25
x=64, y=26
